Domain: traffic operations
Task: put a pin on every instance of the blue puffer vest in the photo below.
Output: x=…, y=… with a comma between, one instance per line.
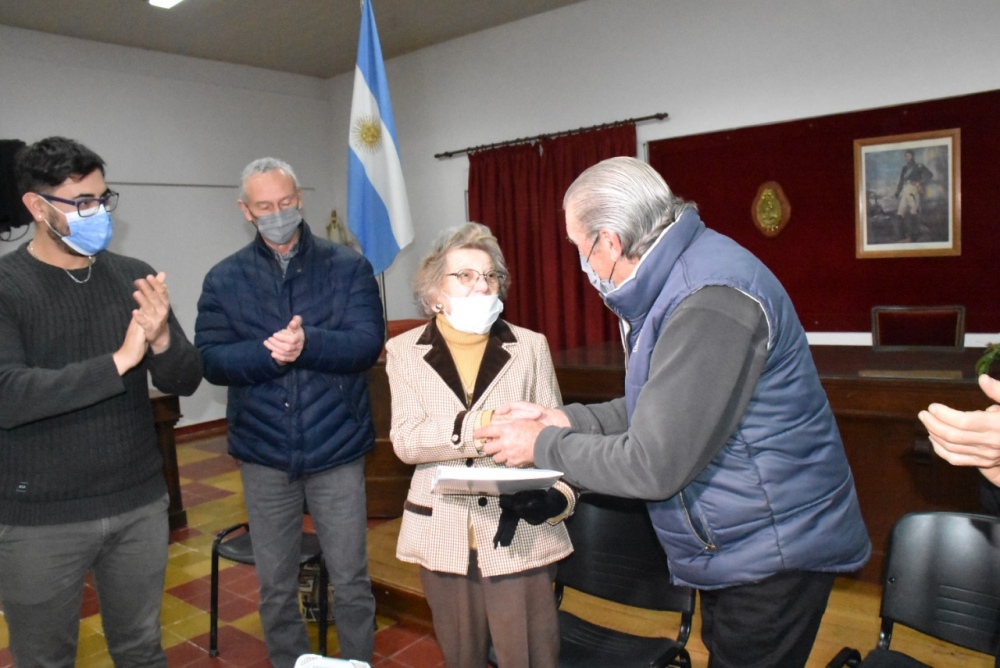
x=313, y=414
x=780, y=494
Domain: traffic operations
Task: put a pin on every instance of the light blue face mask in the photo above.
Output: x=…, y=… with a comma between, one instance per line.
x=88, y=235
x=602, y=285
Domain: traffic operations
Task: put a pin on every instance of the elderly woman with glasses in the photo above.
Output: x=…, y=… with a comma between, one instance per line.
x=487, y=562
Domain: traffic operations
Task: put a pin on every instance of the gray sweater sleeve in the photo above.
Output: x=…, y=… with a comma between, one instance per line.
x=703, y=371
x=178, y=369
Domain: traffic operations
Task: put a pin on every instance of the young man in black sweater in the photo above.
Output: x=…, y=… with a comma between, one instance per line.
x=81, y=478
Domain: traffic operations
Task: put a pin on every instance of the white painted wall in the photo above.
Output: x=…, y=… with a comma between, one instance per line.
x=711, y=65
x=176, y=134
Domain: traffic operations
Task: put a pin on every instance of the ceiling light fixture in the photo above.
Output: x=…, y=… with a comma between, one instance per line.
x=164, y=4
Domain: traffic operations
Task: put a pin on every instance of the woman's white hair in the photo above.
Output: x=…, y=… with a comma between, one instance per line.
x=430, y=275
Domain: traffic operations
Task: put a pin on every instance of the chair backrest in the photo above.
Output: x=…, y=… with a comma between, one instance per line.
x=617, y=556
x=942, y=578
x=918, y=326
x=396, y=327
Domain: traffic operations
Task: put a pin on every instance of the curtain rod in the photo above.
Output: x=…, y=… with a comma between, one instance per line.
x=528, y=140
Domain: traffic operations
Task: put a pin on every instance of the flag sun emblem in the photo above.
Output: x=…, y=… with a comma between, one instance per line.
x=366, y=134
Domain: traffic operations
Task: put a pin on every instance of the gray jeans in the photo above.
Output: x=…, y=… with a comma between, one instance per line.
x=338, y=508
x=41, y=586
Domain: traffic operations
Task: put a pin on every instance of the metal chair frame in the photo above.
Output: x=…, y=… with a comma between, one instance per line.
x=239, y=549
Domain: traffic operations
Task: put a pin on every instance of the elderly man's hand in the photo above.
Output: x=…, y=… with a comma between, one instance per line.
x=511, y=443
x=968, y=438
x=525, y=410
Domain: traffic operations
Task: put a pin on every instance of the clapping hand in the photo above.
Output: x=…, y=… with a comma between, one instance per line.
x=968, y=438
x=154, y=309
x=286, y=344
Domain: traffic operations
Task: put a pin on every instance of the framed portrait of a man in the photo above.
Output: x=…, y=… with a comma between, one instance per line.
x=908, y=194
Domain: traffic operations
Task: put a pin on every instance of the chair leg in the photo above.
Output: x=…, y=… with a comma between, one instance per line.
x=213, y=613
x=324, y=589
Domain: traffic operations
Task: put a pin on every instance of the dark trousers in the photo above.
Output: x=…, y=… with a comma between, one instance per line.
x=766, y=624
x=337, y=504
x=42, y=572
x=518, y=612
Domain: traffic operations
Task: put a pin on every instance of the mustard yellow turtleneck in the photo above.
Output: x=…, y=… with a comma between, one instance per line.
x=466, y=350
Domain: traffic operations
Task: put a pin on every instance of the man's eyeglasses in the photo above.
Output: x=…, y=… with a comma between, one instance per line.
x=469, y=277
x=88, y=207
x=593, y=246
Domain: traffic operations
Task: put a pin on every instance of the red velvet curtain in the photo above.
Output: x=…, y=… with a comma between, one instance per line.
x=517, y=192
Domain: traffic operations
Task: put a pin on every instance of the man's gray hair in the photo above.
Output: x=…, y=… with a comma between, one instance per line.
x=263, y=166
x=628, y=197
x=430, y=275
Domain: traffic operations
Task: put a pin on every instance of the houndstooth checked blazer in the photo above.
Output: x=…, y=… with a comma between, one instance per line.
x=432, y=426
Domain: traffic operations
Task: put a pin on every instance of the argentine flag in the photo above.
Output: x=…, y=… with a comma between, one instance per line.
x=378, y=211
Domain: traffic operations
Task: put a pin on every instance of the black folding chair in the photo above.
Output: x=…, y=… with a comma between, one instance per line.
x=617, y=557
x=942, y=578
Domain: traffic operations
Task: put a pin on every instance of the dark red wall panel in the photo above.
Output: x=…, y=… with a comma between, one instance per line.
x=814, y=256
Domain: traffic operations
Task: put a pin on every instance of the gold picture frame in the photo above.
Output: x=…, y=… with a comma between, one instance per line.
x=907, y=191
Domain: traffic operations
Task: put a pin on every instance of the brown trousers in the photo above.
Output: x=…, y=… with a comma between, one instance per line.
x=517, y=612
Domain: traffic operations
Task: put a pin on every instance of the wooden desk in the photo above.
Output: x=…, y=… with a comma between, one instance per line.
x=875, y=396
x=166, y=412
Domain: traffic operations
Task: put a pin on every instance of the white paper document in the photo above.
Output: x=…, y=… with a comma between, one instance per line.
x=491, y=481
x=317, y=661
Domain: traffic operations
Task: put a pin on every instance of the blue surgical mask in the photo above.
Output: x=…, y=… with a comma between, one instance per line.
x=602, y=285
x=88, y=235
x=279, y=227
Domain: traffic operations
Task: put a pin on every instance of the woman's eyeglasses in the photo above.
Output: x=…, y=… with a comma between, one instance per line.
x=469, y=277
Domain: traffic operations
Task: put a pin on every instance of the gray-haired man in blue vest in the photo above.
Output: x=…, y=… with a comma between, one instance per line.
x=724, y=426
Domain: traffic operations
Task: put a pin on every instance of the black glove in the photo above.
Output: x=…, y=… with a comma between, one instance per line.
x=534, y=506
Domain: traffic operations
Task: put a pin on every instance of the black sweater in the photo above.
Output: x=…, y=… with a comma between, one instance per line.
x=78, y=441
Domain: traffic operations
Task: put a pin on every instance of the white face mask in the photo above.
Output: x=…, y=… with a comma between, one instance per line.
x=474, y=314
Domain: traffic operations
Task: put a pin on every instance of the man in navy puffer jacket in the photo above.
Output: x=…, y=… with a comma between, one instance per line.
x=291, y=324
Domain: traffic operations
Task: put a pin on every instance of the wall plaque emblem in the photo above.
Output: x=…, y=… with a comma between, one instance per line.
x=771, y=209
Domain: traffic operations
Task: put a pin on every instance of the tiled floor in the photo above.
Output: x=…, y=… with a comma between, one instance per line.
x=213, y=499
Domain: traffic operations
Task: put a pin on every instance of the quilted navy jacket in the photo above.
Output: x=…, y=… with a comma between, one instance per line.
x=313, y=414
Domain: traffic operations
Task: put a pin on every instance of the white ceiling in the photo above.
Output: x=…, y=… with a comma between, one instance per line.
x=312, y=37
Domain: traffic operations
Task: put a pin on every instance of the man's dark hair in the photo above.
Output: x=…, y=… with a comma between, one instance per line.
x=50, y=161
